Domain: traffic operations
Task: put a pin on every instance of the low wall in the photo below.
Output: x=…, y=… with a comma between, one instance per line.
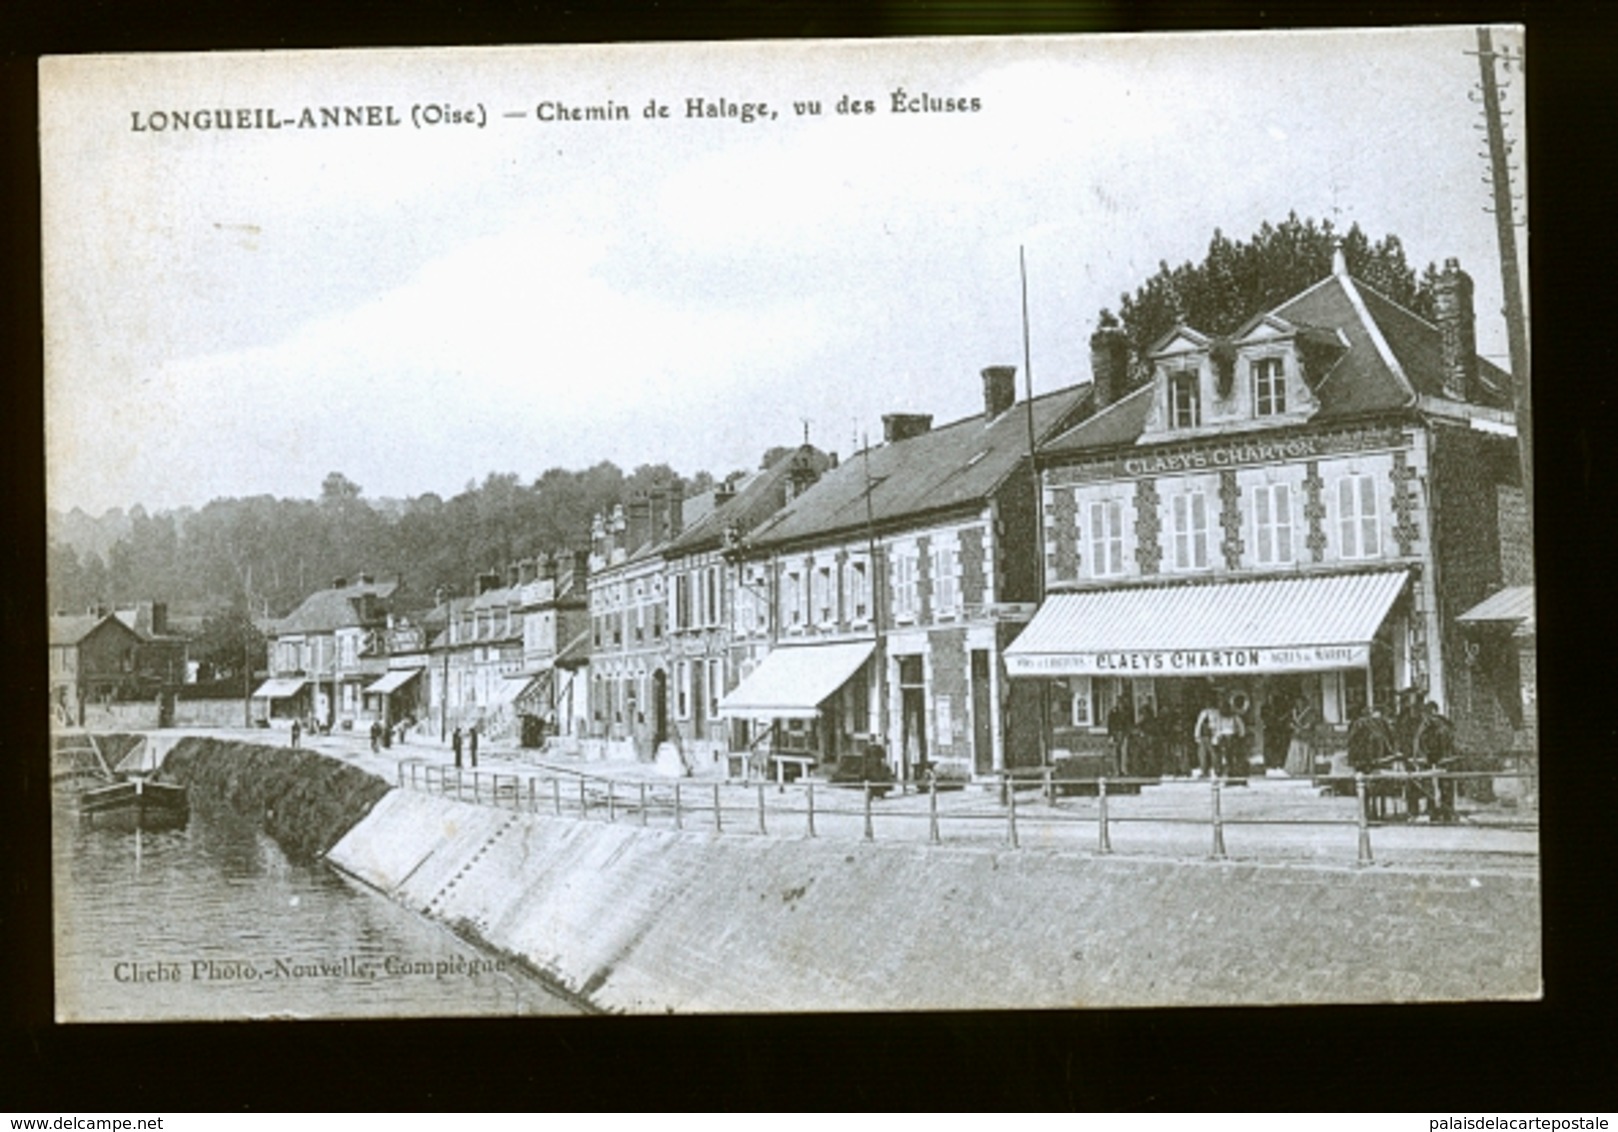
x=209, y=713
x=659, y=921
x=141, y=715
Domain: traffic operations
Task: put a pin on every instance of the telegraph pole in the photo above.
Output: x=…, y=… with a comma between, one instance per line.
x=1505, y=224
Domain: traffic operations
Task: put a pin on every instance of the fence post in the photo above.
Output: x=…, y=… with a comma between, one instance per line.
x=643, y=804
x=810, y=796
x=1011, y=814
x=401, y=776
x=679, y=818
x=1050, y=792
x=612, y=802
x=761, y=828
x=1103, y=837
x=718, y=821
x=1218, y=853
x=533, y=804
x=870, y=833
x=584, y=802
x=1364, y=820
x=932, y=813
x=556, y=795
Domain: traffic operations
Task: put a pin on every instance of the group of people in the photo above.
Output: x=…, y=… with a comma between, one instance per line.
x=466, y=741
x=1419, y=740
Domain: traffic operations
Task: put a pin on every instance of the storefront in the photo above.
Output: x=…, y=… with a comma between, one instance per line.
x=808, y=701
x=1335, y=642
x=283, y=700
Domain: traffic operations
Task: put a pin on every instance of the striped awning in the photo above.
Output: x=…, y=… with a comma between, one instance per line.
x=793, y=681
x=1309, y=624
x=392, y=681
x=279, y=688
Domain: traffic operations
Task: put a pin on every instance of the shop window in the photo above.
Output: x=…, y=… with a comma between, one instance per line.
x=1189, y=523
x=1185, y=399
x=1359, y=528
x=1106, y=538
x=1272, y=523
x=1269, y=388
x=1082, y=705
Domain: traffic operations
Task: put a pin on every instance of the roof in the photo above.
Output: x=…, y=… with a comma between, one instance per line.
x=1310, y=619
x=757, y=498
x=326, y=610
x=953, y=465
x=71, y=628
x=1393, y=355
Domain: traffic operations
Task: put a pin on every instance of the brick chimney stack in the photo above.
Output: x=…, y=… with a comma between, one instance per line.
x=638, y=517
x=903, y=426
x=1457, y=332
x=1109, y=361
x=999, y=390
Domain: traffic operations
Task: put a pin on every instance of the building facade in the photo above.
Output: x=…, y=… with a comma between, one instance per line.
x=1299, y=512
x=324, y=655
x=872, y=612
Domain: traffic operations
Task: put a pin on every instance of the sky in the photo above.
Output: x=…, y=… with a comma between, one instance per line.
x=240, y=312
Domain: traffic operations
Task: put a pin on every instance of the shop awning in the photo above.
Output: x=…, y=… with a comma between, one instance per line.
x=392, y=681
x=510, y=687
x=279, y=688
x=1513, y=605
x=1274, y=625
x=793, y=681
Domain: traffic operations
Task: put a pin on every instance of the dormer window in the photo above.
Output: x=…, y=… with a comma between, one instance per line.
x=1269, y=388
x=1185, y=399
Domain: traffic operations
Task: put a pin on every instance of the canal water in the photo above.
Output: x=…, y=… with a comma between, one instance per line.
x=213, y=922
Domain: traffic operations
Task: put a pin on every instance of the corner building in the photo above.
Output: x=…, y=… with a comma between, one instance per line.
x=1304, y=509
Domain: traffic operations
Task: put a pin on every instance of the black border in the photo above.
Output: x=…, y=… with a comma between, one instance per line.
x=1555, y=1055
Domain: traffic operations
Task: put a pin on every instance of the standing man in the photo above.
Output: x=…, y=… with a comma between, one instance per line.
x=1435, y=751
x=472, y=745
x=455, y=744
x=297, y=733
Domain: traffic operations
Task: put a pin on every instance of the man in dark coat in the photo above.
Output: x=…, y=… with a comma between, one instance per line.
x=1435, y=751
x=472, y=745
x=455, y=745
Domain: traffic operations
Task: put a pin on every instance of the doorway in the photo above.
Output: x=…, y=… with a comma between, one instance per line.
x=982, y=729
x=660, y=708
x=912, y=718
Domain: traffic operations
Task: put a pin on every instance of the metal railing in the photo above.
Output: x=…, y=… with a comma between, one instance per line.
x=1064, y=812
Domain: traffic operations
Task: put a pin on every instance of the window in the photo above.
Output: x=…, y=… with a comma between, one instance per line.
x=1272, y=523
x=1083, y=706
x=1188, y=519
x=946, y=595
x=1185, y=399
x=682, y=689
x=904, y=585
x=825, y=597
x=856, y=591
x=640, y=623
x=1358, y=529
x=715, y=685
x=713, y=596
x=1269, y=388
x=1106, y=538
x=792, y=598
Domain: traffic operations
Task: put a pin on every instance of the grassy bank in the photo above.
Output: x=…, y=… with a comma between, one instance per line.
x=307, y=800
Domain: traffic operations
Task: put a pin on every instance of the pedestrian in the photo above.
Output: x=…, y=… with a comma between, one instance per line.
x=1435, y=752
x=455, y=745
x=297, y=733
x=472, y=745
x=1144, y=752
x=1277, y=730
x=1120, y=723
x=1229, y=748
x=1305, y=721
x=1406, y=723
x=376, y=736
x=1207, y=727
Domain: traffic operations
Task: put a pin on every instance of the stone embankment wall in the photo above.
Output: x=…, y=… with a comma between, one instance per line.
x=308, y=800
x=659, y=921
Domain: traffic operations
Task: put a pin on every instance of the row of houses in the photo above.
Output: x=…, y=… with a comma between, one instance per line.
x=1325, y=506
x=105, y=656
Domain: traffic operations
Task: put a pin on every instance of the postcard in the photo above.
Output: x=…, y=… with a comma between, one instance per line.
x=1026, y=522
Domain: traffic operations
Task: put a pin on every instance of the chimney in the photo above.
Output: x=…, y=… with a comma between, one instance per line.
x=724, y=491
x=999, y=390
x=676, y=511
x=639, y=522
x=488, y=580
x=1109, y=361
x=513, y=575
x=600, y=539
x=160, y=619
x=802, y=471
x=339, y=582
x=527, y=571
x=1457, y=331
x=902, y=426
x=581, y=568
